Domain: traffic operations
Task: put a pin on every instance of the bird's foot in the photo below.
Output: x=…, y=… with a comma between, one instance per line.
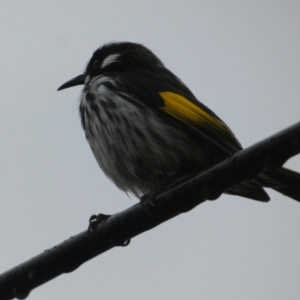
x=149, y=199
x=96, y=220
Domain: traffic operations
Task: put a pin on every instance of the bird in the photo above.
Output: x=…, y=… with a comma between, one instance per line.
x=149, y=132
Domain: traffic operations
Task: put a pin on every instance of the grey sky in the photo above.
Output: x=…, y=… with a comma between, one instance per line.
x=240, y=58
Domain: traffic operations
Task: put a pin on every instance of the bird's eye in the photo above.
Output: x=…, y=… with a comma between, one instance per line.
x=96, y=64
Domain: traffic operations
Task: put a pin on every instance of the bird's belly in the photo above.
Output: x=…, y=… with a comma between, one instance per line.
x=133, y=145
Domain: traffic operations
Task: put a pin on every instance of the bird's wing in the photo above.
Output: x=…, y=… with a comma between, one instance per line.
x=171, y=98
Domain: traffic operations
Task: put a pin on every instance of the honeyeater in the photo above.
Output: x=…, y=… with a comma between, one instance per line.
x=148, y=130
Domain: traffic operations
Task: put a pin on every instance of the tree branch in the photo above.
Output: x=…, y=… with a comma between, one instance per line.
x=270, y=153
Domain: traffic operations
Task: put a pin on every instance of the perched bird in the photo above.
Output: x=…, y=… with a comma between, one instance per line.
x=149, y=132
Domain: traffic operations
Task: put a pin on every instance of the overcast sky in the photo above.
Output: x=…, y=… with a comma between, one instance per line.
x=240, y=58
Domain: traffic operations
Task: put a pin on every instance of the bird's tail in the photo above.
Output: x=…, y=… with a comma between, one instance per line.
x=284, y=181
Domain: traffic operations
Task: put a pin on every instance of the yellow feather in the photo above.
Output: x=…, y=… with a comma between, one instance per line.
x=181, y=108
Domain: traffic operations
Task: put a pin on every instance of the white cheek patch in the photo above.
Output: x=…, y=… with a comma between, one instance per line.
x=110, y=59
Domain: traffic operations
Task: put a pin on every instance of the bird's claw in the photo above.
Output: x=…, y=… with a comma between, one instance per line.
x=96, y=220
x=149, y=199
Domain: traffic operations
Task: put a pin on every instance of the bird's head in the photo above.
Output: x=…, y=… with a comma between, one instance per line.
x=115, y=57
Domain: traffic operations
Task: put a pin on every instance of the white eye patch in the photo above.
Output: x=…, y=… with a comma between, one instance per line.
x=110, y=59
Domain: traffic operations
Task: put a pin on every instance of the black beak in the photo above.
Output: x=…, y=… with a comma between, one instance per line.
x=75, y=81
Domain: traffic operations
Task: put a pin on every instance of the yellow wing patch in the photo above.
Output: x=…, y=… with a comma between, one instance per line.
x=183, y=109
